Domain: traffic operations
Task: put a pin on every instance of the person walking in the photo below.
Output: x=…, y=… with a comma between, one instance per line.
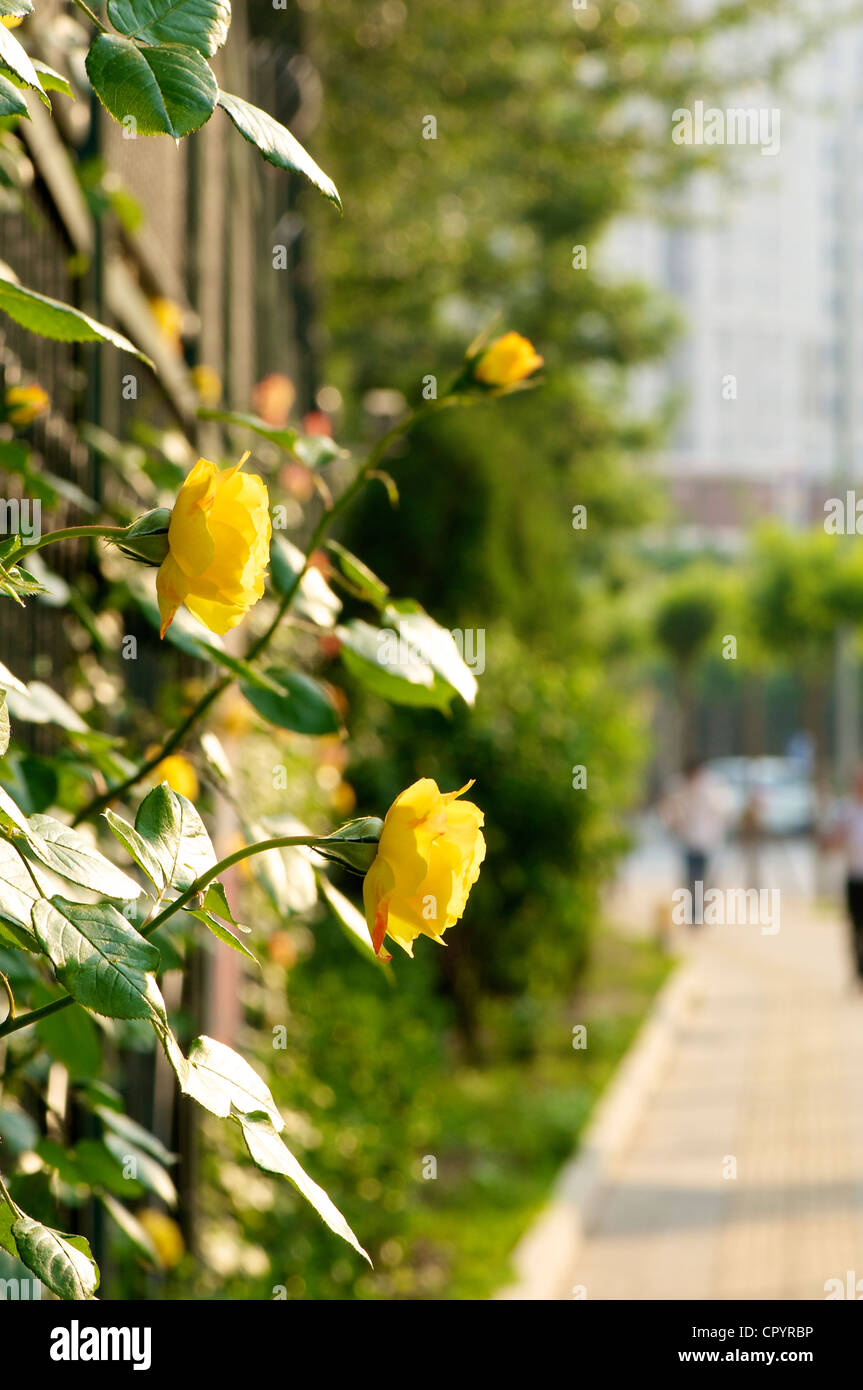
x=847, y=835
x=697, y=810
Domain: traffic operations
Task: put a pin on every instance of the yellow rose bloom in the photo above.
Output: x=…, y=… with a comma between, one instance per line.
x=24, y=404
x=178, y=772
x=166, y=1236
x=427, y=861
x=507, y=361
x=218, y=547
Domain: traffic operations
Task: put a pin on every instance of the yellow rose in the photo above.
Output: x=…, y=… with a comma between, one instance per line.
x=427, y=861
x=166, y=1236
x=207, y=383
x=169, y=317
x=25, y=403
x=218, y=547
x=178, y=772
x=507, y=361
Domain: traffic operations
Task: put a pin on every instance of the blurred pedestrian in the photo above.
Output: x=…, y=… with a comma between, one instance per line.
x=697, y=810
x=847, y=835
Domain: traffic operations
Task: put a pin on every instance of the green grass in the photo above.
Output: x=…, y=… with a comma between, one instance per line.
x=510, y=1126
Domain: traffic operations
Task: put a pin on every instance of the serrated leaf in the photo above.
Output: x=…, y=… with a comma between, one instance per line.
x=18, y=892
x=176, y=835
x=103, y=962
x=11, y=101
x=269, y=1151
x=62, y=1262
x=138, y=848
x=276, y=144
x=52, y=80
x=301, y=704
x=52, y=319
x=65, y=852
x=220, y=1080
x=166, y=90
x=200, y=24
x=221, y=932
x=15, y=57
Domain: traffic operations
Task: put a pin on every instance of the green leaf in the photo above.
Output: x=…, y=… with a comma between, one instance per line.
x=315, y=599
x=148, y=1172
x=103, y=962
x=138, y=848
x=216, y=901
x=131, y=1227
x=313, y=450
x=72, y=1038
x=52, y=319
x=65, y=852
x=52, y=80
x=62, y=1262
x=433, y=644
x=18, y=892
x=10, y=682
x=397, y=673
x=11, y=815
x=176, y=835
x=132, y=1133
x=351, y=919
x=276, y=144
x=371, y=588
x=7, y=1220
x=221, y=932
x=286, y=874
x=11, y=101
x=18, y=9
x=220, y=1080
x=303, y=705
x=5, y=729
x=41, y=705
x=200, y=24
x=169, y=90
x=14, y=57
x=269, y=1151
x=223, y=1083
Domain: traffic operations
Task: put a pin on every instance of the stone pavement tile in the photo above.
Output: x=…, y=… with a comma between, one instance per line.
x=769, y=1072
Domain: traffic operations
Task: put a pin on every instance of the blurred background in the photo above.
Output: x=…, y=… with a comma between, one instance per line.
x=599, y=540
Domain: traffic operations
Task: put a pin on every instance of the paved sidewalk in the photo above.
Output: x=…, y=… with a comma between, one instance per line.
x=767, y=1071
